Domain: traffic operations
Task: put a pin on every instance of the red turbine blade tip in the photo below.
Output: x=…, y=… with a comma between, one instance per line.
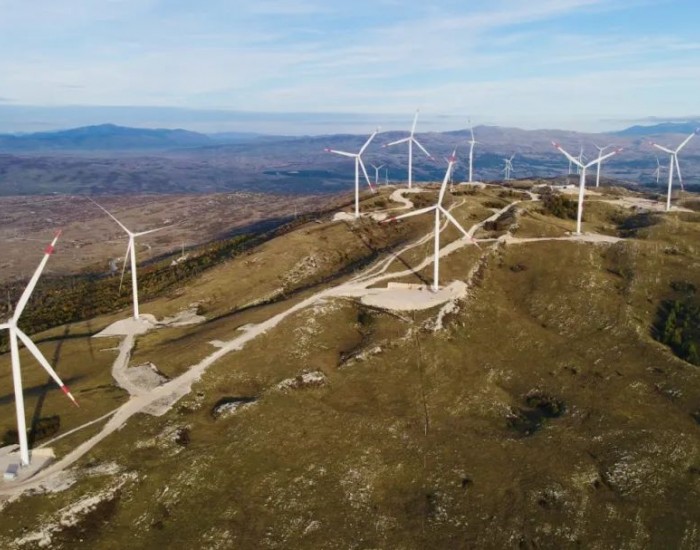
x=49, y=249
x=65, y=390
x=58, y=233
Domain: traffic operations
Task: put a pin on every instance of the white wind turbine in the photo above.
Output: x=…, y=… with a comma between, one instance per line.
x=358, y=164
x=471, y=142
x=509, y=167
x=582, y=181
x=439, y=209
x=410, y=140
x=376, y=173
x=674, y=162
x=131, y=253
x=14, y=334
x=601, y=150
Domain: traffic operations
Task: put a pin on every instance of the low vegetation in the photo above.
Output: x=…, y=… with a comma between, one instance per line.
x=560, y=206
x=679, y=328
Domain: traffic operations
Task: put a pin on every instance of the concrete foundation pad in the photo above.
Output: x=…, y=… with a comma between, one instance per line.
x=10, y=463
x=397, y=297
x=130, y=326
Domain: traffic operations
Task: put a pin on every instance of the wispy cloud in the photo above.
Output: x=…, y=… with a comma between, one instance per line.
x=550, y=58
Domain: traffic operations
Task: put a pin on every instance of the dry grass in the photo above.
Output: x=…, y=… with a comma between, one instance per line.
x=413, y=446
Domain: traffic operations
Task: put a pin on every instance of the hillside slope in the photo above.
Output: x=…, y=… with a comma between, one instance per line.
x=537, y=410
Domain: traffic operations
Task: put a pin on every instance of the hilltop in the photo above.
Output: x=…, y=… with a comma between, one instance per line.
x=547, y=405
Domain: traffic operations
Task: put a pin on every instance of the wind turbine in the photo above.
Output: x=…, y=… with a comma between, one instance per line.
x=439, y=209
x=376, y=174
x=131, y=252
x=411, y=140
x=509, y=167
x=600, y=154
x=358, y=164
x=582, y=181
x=15, y=334
x=471, y=142
x=386, y=176
x=674, y=161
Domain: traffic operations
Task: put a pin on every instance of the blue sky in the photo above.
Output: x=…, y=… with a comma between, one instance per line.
x=574, y=64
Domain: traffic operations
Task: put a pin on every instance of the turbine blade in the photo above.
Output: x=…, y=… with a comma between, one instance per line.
x=364, y=171
x=450, y=164
x=685, y=142
x=110, y=215
x=678, y=170
x=415, y=121
x=567, y=155
x=397, y=142
x=341, y=153
x=126, y=257
x=661, y=147
x=362, y=150
x=457, y=225
x=601, y=159
x=422, y=148
x=44, y=363
x=409, y=214
x=22, y=303
x=151, y=231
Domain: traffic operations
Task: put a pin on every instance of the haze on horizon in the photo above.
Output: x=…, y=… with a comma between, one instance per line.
x=589, y=65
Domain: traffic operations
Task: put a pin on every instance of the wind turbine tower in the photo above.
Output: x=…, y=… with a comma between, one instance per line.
x=582, y=181
x=131, y=253
x=439, y=209
x=16, y=334
x=358, y=164
x=411, y=140
x=674, y=162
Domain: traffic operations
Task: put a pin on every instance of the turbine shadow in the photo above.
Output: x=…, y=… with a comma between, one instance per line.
x=43, y=390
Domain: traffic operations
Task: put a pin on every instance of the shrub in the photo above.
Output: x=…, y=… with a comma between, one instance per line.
x=559, y=206
x=678, y=326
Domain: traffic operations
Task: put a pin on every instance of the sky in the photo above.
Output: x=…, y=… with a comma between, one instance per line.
x=589, y=65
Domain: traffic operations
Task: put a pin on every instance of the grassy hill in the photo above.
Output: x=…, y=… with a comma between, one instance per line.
x=546, y=412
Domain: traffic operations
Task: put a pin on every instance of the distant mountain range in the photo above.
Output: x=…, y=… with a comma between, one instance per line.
x=108, y=159
x=658, y=129
x=110, y=137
